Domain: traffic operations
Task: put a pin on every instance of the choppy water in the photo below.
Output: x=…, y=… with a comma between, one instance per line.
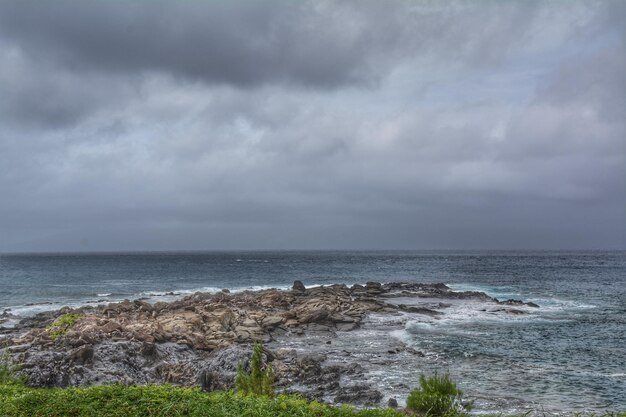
x=568, y=355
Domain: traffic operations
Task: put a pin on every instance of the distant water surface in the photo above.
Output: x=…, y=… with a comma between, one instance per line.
x=570, y=355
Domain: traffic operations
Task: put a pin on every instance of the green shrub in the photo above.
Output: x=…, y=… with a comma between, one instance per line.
x=9, y=370
x=258, y=381
x=62, y=324
x=437, y=396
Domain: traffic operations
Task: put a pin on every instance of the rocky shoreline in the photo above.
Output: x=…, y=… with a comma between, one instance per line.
x=200, y=339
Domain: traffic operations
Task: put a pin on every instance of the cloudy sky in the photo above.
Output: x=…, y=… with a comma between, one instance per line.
x=156, y=125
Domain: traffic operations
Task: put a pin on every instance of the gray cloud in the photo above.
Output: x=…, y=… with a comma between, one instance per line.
x=243, y=43
x=224, y=125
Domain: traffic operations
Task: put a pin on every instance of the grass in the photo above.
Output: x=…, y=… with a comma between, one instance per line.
x=438, y=396
x=18, y=400
x=62, y=324
x=163, y=400
x=9, y=371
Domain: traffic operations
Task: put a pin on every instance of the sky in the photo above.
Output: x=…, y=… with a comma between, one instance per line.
x=281, y=124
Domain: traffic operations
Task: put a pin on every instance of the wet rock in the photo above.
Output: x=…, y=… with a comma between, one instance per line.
x=200, y=339
x=392, y=403
x=512, y=302
x=357, y=288
x=419, y=310
x=215, y=381
x=374, y=288
x=298, y=286
x=346, y=327
x=359, y=394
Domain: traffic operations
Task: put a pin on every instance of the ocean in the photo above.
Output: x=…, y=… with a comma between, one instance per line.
x=568, y=355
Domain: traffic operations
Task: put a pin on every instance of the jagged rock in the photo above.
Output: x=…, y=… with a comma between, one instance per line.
x=110, y=327
x=317, y=315
x=82, y=355
x=200, y=339
x=419, y=310
x=374, y=288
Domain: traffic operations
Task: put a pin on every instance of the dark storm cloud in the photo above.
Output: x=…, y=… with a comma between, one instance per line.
x=311, y=124
x=247, y=43
x=244, y=43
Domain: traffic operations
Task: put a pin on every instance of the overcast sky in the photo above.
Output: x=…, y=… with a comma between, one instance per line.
x=159, y=125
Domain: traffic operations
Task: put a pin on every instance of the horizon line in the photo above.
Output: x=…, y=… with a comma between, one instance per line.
x=207, y=251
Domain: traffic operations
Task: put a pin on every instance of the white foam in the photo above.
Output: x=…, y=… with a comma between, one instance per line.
x=34, y=309
x=502, y=293
x=150, y=296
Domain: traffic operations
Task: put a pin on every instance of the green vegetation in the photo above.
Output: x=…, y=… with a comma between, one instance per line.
x=258, y=381
x=9, y=371
x=163, y=400
x=166, y=400
x=437, y=396
x=62, y=324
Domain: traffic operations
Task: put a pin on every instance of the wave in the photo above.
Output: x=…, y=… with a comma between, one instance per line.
x=547, y=303
x=31, y=309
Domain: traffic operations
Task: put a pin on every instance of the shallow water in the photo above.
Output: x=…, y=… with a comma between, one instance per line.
x=569, y=354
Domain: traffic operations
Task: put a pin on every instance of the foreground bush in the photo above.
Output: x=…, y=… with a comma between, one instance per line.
x=9, y=371
x=437, y=396
x=162, y=400
x=259, y=381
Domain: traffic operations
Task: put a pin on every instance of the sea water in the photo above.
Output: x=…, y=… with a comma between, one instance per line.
x=568, y=355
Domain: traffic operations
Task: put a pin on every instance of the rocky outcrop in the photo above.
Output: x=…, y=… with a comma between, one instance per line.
x=199, y=340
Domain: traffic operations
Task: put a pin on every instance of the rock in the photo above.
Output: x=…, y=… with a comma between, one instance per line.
x=200, y=339
x=110, y=327
x=373, y=286
x=419, y=310
x=298, y=286
x=317, y=315
x=19, y=348
x=214, y=381
x=392, y=403
x=346, y=327
x=143, y=306
x=342, y=318
x=249, y=323
x=358, y=394
x=318, y=328
x=415, y=352
x=272, y=321
x=357, y=288
x=82, y=355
